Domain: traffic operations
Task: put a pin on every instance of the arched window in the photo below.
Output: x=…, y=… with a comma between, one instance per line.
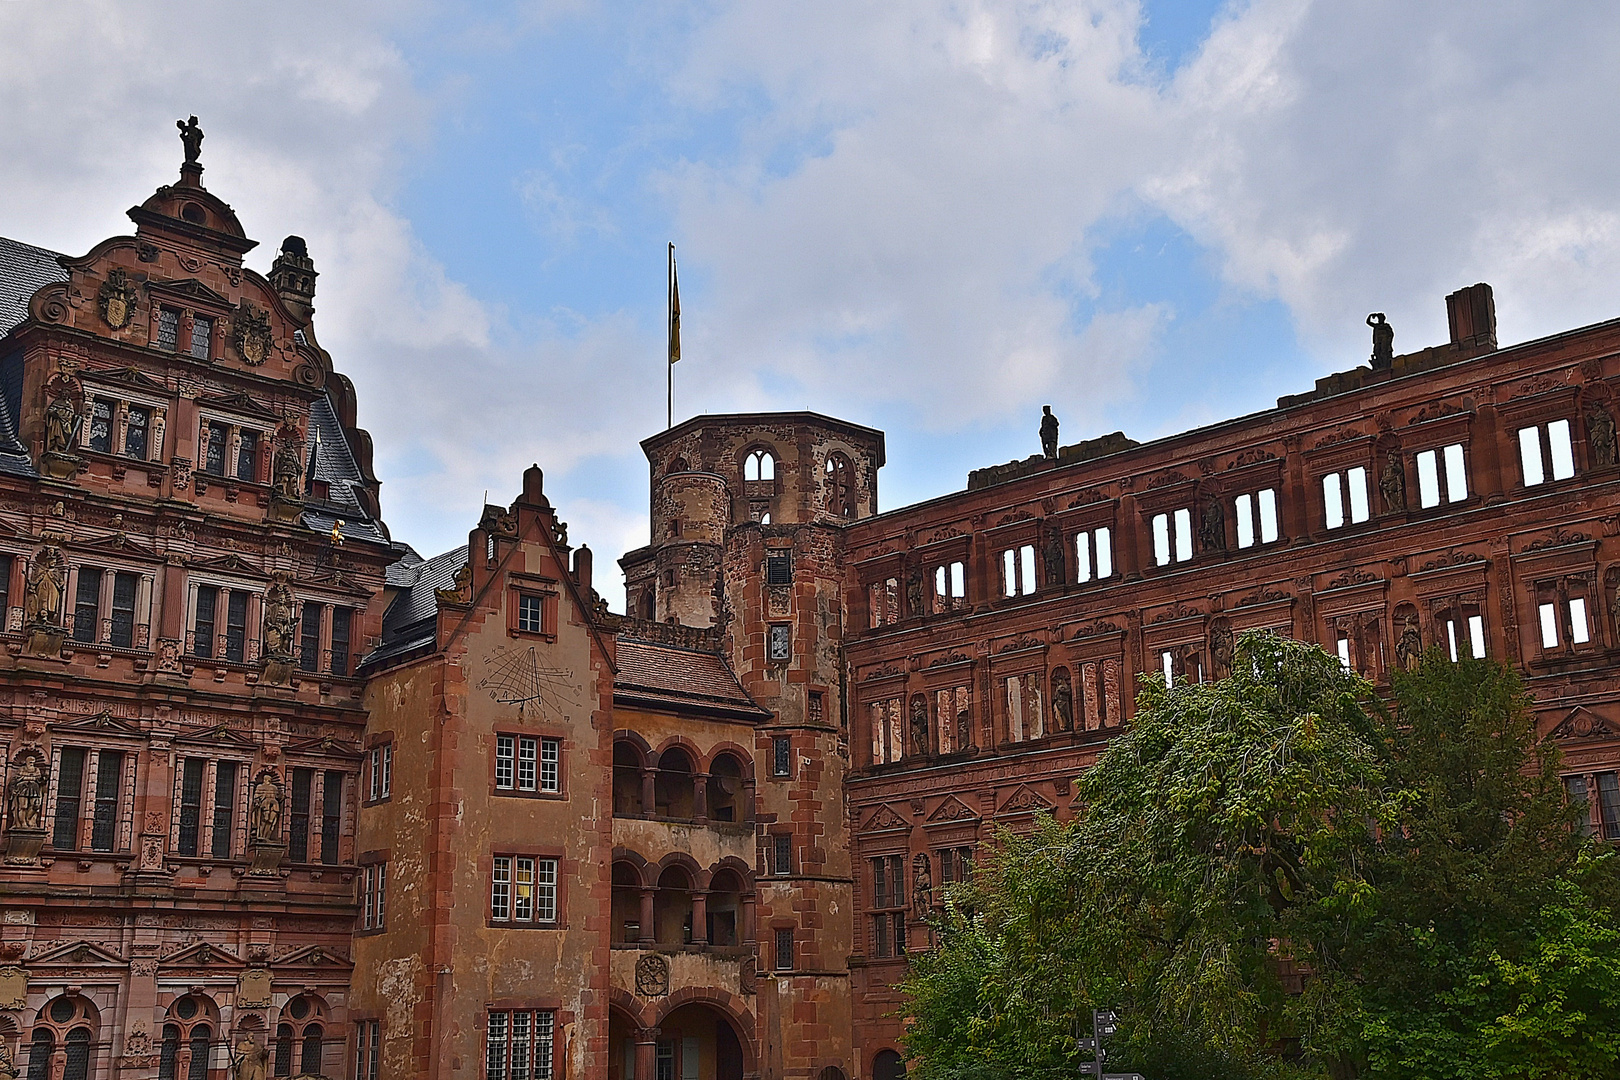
x=626, y=780
x=299, y=1035
x=840, y=485
x=672, y=790
x=831, y=1072
x=725, y=790
x=188, y=1035
x=759, y=465
x=888, y=1066
x=65, y=1021
x=678, y=464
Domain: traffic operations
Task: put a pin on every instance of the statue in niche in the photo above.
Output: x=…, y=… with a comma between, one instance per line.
x=914, y=594
x=8, y=1068
x=288, y=466
x=278, y=621
x=249, y=1060
x=1409, y=649
x=25, y=798
x=1220, y=647
x=191, y=136
x=1212, y=530
x=1054, y=557
x=1062, y=702
x=919, y=726
x=1383, y=354
x=1049, y=433
x=47, y=576
x=62, y=417
x=922, y=884
x=265, y=813
x=1600, y=435
x=1392, y=484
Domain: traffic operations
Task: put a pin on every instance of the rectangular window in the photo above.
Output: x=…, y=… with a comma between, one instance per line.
x=1257, y=518
x=1575, y=789
x=526, y=763
x=191, y=791
x=309, y=638
x=1609, y=805
x=101, y=425
x=1429, y=464
x=505, y=762
x=817, y=704
x=899, y=918
x=524, y=889
x=779, y=568
x=137, y=435
x=888, y=741
x=518, y=1046
x=303, y=784
x=1476, y=636
x=1579, y=632
x=1344, y=653
x=545, y=890
x=1336, y=487
x=214, y=449
x=950, y=586
x=784, y=949
x=202, y=638
x=781, y=642
x=781, y=854
x=224, y=808
x=1018, y=571
x=247, y=456
x=168, y=329
x=123, y=611
x=382, y=771
x=500, y=892
x=341, y=618
x=236, y=626
x=331, y=815
x=69, y=789
x=1093, y=555
x=1172, y=537
x=109, y=778
x=373, y=896
x=781, y=756
x=880, y=936
x=888, y=881
x=530, y=617
x=1549, y=625
x=202, y=336
x=1167, y=662
x=367, y=1049
x=1541, y=447
x=551, y=766
x=87, y=606
x=883, y=603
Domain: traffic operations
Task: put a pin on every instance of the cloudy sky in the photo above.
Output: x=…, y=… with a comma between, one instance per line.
x=929, y=216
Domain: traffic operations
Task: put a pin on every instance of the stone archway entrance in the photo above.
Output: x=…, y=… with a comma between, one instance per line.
x=695, y=1041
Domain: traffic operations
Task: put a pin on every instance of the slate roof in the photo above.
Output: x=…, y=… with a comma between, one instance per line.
x=24, y=270
x=670, y=677
x=409, y=622
x=332, y=463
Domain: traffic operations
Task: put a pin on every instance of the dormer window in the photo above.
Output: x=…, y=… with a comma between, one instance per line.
x=168, y=329
x=202, y=336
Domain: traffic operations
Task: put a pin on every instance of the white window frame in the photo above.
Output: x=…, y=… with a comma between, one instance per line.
x=381, y=764
x=374, y=896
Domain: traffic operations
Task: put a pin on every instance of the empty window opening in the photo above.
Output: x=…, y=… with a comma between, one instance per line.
x=883, y=598
x=888, y=740
x=1257, y=518
x=1546, y=447
x=1093, y=554
x=950, y=586
x=1172, y=537
x=759, y=465
x=1429, y=466
x=1018, y=571
x=1344, y=497
x=840, y=485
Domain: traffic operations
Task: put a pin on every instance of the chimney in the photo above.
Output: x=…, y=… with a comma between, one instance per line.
x=1472, y=313
x=293, y=275
x=534, y=487
x=582, y=569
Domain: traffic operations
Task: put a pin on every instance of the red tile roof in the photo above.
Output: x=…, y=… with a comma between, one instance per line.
x=668, y=677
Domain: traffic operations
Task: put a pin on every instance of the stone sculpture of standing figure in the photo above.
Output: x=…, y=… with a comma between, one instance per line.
x=25, y=799
x=1049, y=432
x=42, y=595
x=1383, y=354
x=1062, y=702
x=1600, y=433
x=1393, y=484
x=249, y=1060
x=192, y=136
x=919, y=726
x=266, y=813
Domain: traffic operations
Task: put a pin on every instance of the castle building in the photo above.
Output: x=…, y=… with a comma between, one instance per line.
x=283, y=795
x=190, y=548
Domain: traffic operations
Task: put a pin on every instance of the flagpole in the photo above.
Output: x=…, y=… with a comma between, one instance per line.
x=669, y=335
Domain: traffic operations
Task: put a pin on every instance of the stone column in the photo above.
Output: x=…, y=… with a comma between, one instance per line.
x=648, y=932
x=649, y=796
x=646, y=1053
x=748, y=918
x=700, y=798
x=700, y=917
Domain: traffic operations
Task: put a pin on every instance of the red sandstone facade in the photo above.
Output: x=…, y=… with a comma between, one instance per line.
x=273, y=783
x=180, y=721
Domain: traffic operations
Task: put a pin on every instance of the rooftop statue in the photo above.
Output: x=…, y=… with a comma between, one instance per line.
x=1383, y=354
x=192, y=136
x=1049, y=432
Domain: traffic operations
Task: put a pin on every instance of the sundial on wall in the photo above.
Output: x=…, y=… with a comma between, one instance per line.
x=516, y=678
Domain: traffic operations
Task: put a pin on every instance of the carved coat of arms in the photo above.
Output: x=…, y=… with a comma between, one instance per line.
x=117, y=299
x=251, y=333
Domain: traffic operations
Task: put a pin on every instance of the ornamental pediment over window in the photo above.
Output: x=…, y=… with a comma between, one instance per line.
x=230, y=563
x=1024, y=800
x=101, y=724
x=313, y=956
x=324, y=745
x=189, y=289
x=201, y=954
x=239, y=403
x=952, y=810
x=883, y=819
x=1582, y=723
x=79, y=954
x=129, y=377
x=221, y=735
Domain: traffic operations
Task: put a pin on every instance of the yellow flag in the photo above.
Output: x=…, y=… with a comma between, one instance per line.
x=674, y=309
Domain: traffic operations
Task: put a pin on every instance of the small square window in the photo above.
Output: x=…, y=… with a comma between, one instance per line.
x=531, y=617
